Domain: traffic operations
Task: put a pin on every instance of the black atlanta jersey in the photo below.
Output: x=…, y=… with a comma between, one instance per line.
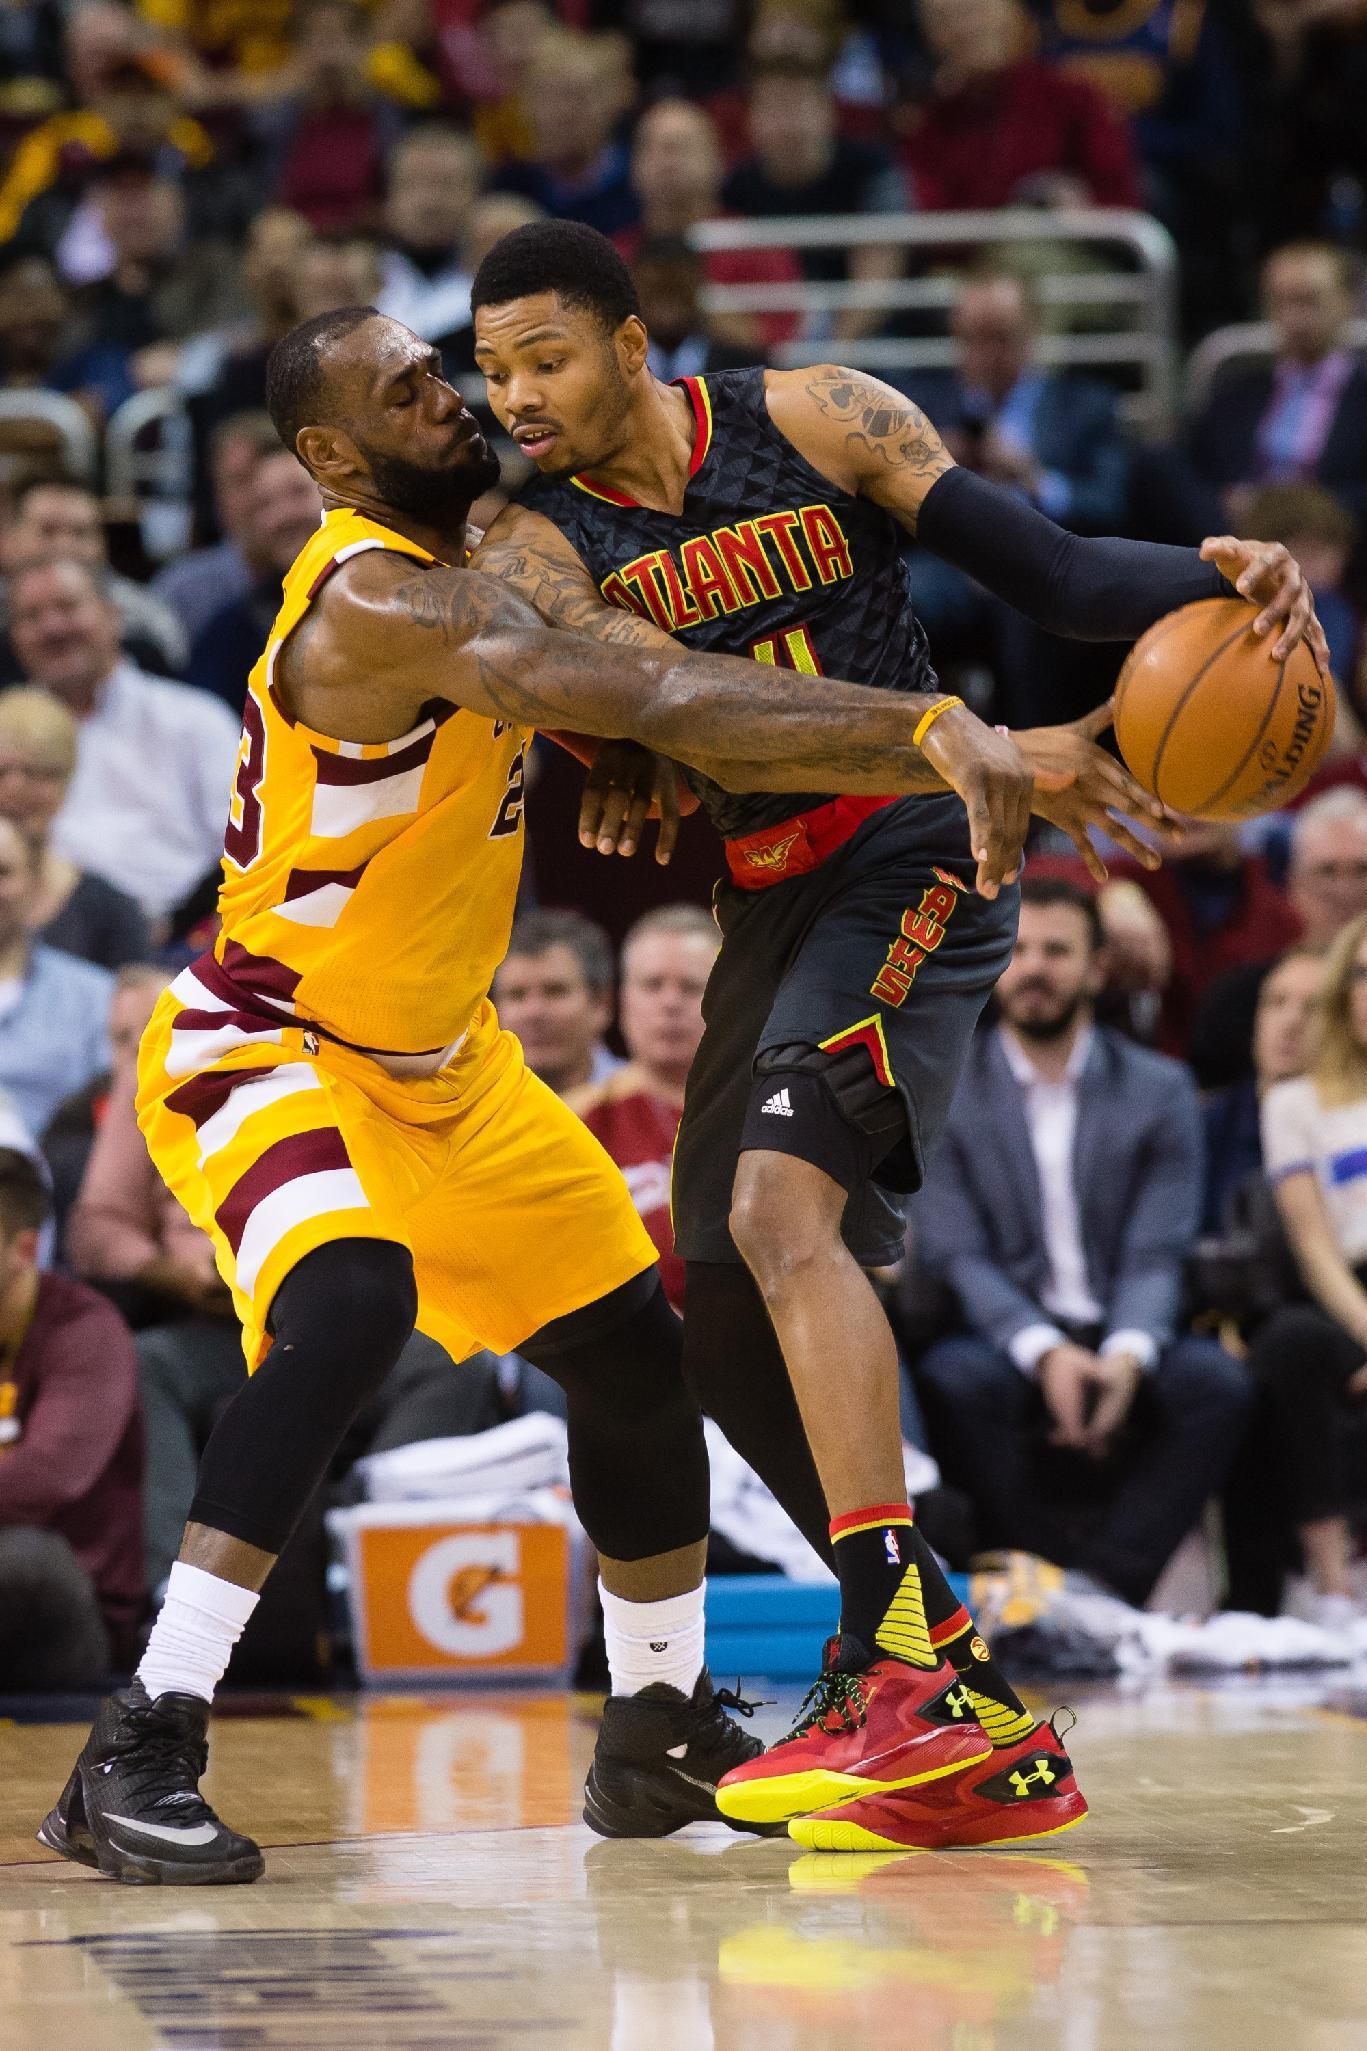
x=768, y=559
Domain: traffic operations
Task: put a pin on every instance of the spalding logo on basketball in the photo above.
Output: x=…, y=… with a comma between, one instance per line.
x=1210, y=723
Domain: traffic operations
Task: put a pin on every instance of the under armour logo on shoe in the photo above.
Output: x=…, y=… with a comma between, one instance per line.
x=778, y=1106
x=958, y=1702
x=1023, y=1782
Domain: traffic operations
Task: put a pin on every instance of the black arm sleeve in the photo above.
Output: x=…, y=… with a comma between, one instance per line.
x=1083, y=588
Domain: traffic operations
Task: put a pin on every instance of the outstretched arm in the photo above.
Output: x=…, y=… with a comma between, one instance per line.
x=871, y=439
x=391, y=637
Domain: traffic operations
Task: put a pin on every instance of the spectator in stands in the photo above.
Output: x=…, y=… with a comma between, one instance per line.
x=677, y=172
x=121, y=98
x=149, y=800
x=1310, y=1360
x=575, y=99
x=801, y=164
x=1222, y=911
x=1304, y=415
x=1326, y=877
x=54, y=1009
x=34, y=316
x=56, y=517
x=993, y=126
x=432, y=184
x=224, y=372
x=684, y=339
x=147, y=279
x=554, y=990
x=70, y=1132
x=666, y=960
x=1061, y=1206
x=72, y=1589
x=283, y=514
x=1280, y=1049
x=329, y=136
x=1050, y=435
x=71, y=908
x=199, y=584
x=1322, y=534
x=336, y=270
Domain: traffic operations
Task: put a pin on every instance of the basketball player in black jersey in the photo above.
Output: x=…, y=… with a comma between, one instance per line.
x=762, y=513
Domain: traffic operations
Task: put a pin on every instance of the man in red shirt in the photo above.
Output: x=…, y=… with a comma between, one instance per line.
x=995, y=126
x=666, y=960
x=71, y=1462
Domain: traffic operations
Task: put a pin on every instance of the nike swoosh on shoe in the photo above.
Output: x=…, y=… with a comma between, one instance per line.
x=170, y=1833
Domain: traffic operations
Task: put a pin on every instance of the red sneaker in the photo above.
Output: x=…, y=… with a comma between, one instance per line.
x=865, y=1725
x=1027, y=1790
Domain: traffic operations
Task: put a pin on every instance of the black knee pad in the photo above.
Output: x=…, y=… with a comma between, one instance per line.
x=638, y=1459
x=339, y=1322
x=359, y=1295
x=832, y=1110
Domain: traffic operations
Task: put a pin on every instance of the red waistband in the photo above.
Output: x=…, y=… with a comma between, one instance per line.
x=799, y=844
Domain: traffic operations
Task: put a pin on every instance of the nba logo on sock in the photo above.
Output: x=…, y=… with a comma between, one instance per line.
x=890, y=1548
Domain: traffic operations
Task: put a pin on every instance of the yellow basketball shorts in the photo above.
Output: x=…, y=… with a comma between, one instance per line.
x=277, y=1141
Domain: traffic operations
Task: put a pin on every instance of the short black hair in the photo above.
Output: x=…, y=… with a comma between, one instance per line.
x=295, y=377
x=1060, y=890
x=576, y=263
x=538, y=932
x=25, y=1198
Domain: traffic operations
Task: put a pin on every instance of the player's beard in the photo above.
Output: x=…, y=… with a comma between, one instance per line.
x=437, y=495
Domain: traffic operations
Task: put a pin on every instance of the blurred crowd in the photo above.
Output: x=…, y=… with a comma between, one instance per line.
x=1137, y=1282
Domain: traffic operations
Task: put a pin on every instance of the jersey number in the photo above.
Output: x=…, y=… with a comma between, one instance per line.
x=790, y=650
x=242, y=841
x=509, y=814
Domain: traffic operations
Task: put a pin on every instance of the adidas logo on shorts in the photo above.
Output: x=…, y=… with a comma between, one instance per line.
x=778, y=1106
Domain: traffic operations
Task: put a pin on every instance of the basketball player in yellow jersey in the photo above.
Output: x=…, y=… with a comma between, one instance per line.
x=330, y=1096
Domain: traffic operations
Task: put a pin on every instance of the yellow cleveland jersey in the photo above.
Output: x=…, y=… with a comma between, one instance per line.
x=368, y=889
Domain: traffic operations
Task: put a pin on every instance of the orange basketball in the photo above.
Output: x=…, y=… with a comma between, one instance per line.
x=1209, y=723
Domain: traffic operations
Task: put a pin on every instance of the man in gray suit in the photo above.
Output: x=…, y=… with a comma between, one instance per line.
x=1060, y=1206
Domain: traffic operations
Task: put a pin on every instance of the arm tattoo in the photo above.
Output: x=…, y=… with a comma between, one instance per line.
x=880, y=423
x=563, y=594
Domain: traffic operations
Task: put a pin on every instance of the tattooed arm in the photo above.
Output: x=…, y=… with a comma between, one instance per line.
x=529, y=555
x=859, y=432
x=386, y=639
x=873, y=441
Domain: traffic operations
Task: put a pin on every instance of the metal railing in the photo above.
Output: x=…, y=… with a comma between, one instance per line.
x=1144, y=345
x=150, y=457
x=71, y=423
x=1245, y=342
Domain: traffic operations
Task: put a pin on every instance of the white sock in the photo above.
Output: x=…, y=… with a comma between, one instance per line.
x=654, y=1641
x=192, y=1640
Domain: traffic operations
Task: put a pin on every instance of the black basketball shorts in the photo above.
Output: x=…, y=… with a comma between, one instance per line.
x=836, y=1019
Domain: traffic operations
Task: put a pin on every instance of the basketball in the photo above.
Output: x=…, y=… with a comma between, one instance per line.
x=1210, y=723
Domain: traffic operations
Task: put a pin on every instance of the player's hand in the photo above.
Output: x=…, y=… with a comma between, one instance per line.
x=994, y=780
x=1268, y=573
x=1079, y=786
x=625, y=786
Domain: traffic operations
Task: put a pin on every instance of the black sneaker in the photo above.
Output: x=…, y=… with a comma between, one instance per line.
x=132, y=1807
x=659, y=1757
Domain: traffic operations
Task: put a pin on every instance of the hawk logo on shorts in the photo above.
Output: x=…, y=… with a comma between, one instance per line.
x=775, y=855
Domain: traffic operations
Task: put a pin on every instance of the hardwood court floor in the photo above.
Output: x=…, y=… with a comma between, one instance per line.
x=431, y=1887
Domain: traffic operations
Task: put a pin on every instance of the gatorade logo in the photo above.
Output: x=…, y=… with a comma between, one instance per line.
x=1041, y=1777
x=659, y=1644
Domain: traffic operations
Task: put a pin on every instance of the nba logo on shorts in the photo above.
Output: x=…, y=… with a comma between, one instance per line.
x=890, y=1548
